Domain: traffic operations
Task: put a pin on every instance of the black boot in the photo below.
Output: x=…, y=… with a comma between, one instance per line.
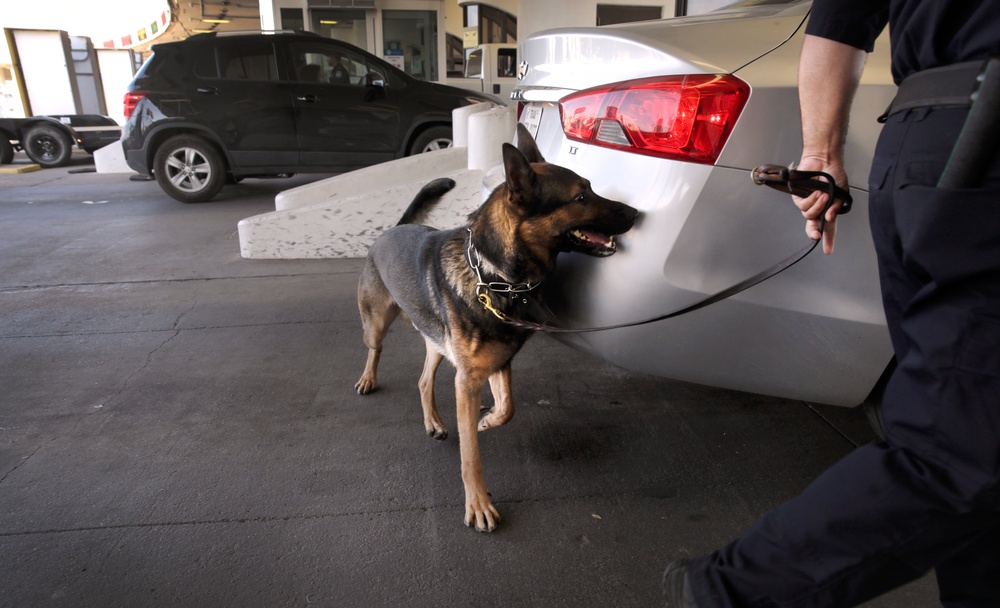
x=676, y=589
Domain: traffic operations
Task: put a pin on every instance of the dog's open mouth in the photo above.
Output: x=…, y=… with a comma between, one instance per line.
x=591, y=242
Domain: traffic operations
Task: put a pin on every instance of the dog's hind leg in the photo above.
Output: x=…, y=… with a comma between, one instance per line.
x=378, y=311
x=503, y=404
x=432, y=422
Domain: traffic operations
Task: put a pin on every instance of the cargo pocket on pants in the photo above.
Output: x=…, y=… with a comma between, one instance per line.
x=951, y=235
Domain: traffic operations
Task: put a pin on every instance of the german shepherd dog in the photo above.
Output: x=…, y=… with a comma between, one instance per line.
x=438, y=278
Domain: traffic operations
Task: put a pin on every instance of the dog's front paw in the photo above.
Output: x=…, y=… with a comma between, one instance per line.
x=481, y=513
x=365, y=385
x=437, y=432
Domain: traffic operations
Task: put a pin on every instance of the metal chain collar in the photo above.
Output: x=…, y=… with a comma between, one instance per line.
x=483, y=288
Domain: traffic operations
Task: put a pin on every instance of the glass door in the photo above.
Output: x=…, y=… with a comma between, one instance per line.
x=348, y=25
x=411, y=42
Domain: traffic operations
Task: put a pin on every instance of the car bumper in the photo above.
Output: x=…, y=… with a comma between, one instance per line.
x=136, y=160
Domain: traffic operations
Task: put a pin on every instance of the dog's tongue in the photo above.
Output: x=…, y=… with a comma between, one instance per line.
x=594, y=237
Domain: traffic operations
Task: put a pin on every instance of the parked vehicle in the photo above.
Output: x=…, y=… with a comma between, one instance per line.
x=670, y=117
x=218, y=107
x=49, y=140
x=489, y=68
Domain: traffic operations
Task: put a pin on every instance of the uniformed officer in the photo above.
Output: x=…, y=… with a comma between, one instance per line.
x=338, y=73
x=928, y=497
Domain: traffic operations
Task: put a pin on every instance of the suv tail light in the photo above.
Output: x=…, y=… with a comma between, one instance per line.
x=679, y=117
x=131, y=99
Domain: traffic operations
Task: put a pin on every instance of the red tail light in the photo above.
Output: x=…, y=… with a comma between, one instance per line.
x=131, y=99
x=679, y=117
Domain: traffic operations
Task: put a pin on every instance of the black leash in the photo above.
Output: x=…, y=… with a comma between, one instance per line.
x=791, y=181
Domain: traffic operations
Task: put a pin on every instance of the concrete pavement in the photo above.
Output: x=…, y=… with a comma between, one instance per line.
x=178, y=427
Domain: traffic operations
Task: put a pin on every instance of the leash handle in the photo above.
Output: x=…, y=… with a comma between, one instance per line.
x=801, y=183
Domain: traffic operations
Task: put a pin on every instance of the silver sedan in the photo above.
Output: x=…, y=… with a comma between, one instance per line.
x=670, y=117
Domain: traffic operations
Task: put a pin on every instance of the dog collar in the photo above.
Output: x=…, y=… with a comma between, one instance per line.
x=483, y=288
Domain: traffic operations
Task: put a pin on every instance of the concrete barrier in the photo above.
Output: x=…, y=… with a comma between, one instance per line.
x=111, y=159
x=363, y=182
x=460, y=122
x=488, y=132
x=341, y=216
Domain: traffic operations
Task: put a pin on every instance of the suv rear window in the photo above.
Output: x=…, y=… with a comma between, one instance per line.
x=246, y=61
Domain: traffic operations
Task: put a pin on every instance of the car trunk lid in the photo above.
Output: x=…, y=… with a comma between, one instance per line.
x=563, y=60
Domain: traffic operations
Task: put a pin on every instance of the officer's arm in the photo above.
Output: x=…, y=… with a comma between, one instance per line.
x=829, y=73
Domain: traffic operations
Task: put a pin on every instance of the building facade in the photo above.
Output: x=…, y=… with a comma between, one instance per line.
x=425, y=38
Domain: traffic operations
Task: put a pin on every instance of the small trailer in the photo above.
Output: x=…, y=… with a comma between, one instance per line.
x=49, y=140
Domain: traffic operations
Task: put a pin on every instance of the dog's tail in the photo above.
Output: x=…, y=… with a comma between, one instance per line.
x=425, y=199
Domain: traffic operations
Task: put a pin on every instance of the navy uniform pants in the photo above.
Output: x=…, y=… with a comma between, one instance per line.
x=929, y=496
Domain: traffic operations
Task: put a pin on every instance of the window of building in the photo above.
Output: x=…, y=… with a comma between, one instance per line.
x=455, y=55
x=474, y=63
x=494, y=24
x=292, y=19
x=697, y=7
x=411, y=42
x=609, y=14
x=346, y=25
x=506, y=63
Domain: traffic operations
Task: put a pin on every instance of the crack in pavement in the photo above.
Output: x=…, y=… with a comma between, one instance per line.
x=175, y=331
x=42, y=287
x=266, y=519
x=191, y=328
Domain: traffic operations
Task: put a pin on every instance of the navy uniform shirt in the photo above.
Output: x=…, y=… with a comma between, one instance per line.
x=924, y=33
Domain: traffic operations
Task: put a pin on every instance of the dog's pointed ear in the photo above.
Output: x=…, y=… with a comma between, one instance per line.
x=517, y=169
x=526, y=144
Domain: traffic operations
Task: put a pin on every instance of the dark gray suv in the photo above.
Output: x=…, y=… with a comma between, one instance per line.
x=221, y=107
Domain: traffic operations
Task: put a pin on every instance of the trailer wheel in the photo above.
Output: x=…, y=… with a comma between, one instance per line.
x=189, y=169
x=47, y=145
x=6, y=150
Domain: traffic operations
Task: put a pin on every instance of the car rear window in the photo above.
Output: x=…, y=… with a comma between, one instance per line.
x=248, y=61
x=148, y=67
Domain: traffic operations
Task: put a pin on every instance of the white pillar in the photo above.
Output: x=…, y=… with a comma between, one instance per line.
x=488, y=131
x=460, y=122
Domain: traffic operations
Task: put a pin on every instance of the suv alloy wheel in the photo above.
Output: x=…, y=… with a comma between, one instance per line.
x=434, y=138
x=189, y=169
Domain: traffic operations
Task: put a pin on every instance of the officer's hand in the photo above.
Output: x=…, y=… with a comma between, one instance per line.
x=812, y=206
